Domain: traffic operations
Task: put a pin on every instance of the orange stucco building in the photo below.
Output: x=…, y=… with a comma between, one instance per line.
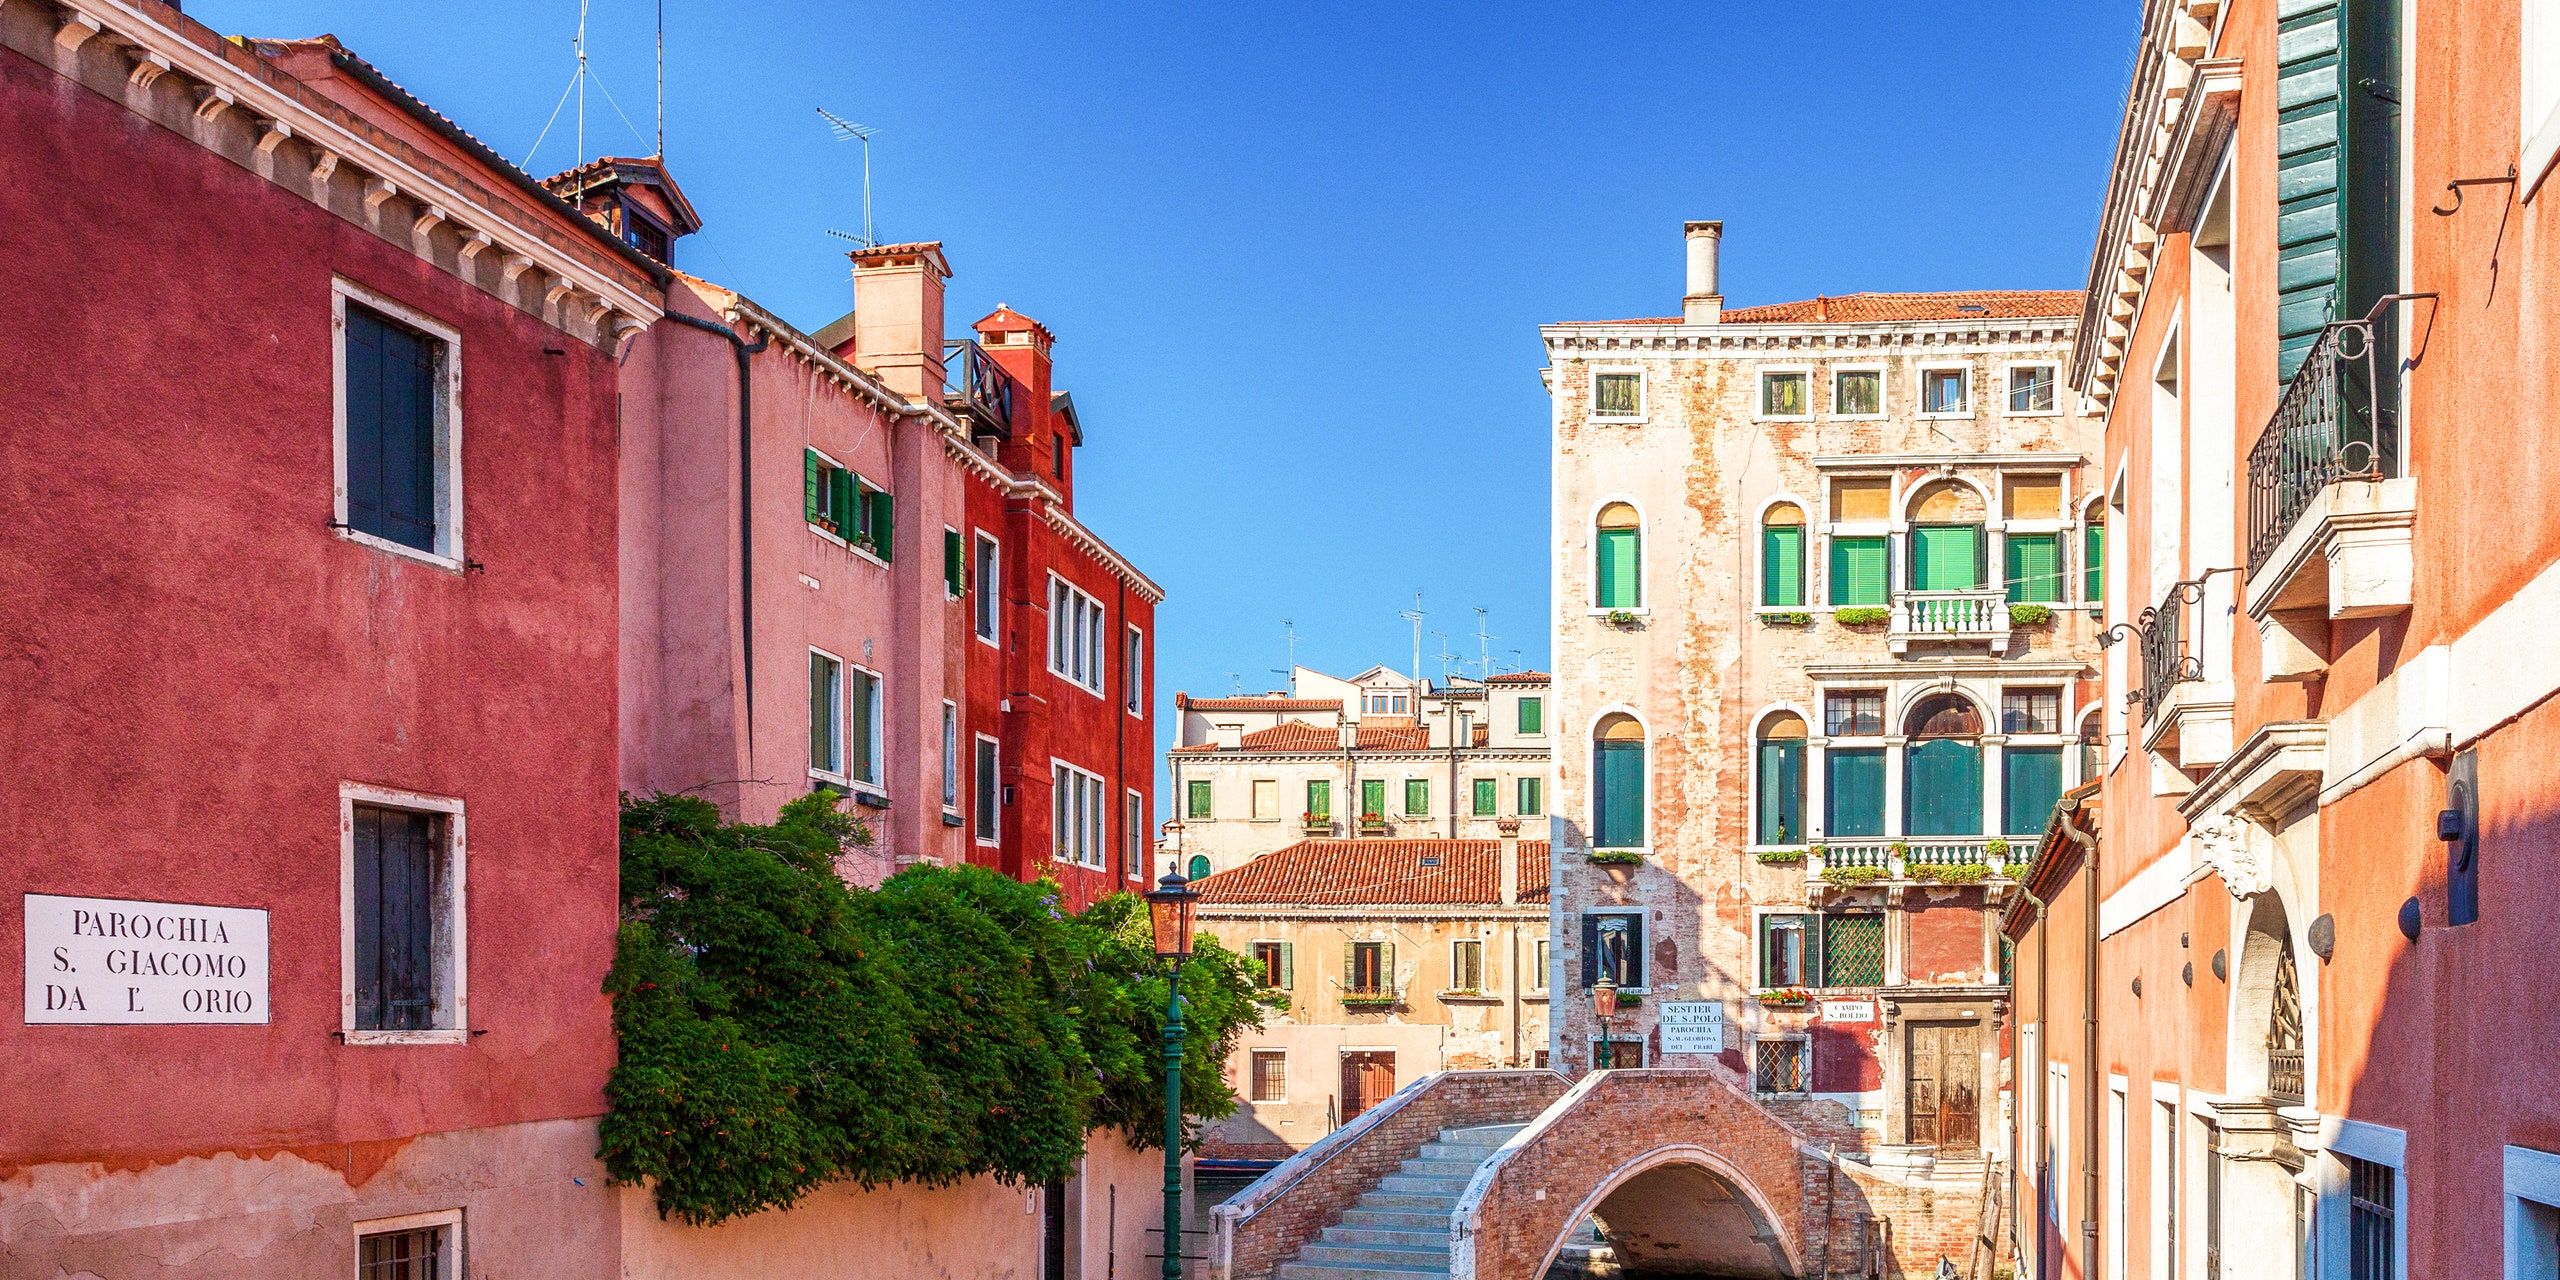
x=2263, y=961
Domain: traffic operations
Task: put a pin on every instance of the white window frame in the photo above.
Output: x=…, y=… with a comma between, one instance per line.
x=836, y=722
x=2537, y=97
x=1540, y=957
x=448, y=429
x=1541, y=780
x=986, y=567
x=951, y=759
x=1253, y=1076
x=1404, y=796
x=994, y=792
x=1543, y=709
x=1253, y=812
x=1075, y=639
x=2008, y=372
x=1612, y=370
x=454, y=917
x=1804, y=1065
x=1884, y=392
x=2530, y=1176
x=1642, y=1044
x=878, y=783
x=1644, y=929
x=1134, y=817
x=2375, y=1144
x=1133, y=673
x=1760, y=392
x=1484, y=977
x=1964, y=372
x=450, y=1266
x=1387, y=698
x=2118, y=1174
x=1076, y=808
x=955, y=590
x=822, y=531
x=1591, y=556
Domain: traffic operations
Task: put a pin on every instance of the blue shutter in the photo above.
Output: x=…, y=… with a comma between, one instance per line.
x=2030, y=785
x=391, y=445
x=1942, y=788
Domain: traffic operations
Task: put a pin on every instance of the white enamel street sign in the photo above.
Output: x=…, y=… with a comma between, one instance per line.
x=1848, y=1011
x=112, y=960
x=1693, y=1026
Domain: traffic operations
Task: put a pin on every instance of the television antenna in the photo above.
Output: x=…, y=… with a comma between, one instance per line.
x=1484, y=645
x=1235, y=684
x=847, y=131
x=1445, y=656
x=1289, y=631
x=1414, y=616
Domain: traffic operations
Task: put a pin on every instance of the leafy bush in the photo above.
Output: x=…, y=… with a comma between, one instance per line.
x=1864, y=615
x=1961, y=873
x=1997, y=848
x=1616, y=858
x=1775, y=856
x=1852, y=877
x=2030, y=615
x=780, y=1030
x=1787, y=619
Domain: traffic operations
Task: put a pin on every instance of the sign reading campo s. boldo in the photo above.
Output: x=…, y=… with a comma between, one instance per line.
x=108, y=960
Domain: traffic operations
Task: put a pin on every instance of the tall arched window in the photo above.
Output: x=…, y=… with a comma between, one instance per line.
x=1617, y=783
x=1618, y=569
x=1782, y=556
x=1946, y=539
x=1199, y=867
x=1942, y=768
x=2093, y=555
x=1781, y=779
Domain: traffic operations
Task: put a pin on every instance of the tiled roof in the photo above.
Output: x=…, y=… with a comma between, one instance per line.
x=1867, y=308
x=1522, y=677
x=1259, y=704
x=1379, y=872
x=1298, y=735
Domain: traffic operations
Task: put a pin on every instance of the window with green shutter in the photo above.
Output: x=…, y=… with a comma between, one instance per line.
x=1533, y=800
x=1942, y=788
x=1199, y=792
x=1417, y=796
x=1617, y=789
x=1858, y=571
x=1620, y=569
x=813, y=486
x=2034, y=568
x=1319, y=800
x=1373, y=797
x=1533, y=716
x=842, y=515
x=1852, y=792
x=1853, y=950
x=882, y=524
x=2094, y=567
x=1782, y=566
x=1946, y=557
x=954, y=572
x=1483, y=789
x=2030, y=784
x=1781, y=815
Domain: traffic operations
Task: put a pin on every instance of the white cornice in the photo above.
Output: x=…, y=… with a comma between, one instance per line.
x=1960, y=461
x=1727, y=340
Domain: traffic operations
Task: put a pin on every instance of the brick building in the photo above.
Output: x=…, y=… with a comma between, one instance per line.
x=2261, y=1030
x=1822, y=654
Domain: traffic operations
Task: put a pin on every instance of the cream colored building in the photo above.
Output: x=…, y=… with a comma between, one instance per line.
x=1400, y=957
x=1823, y=573
x=1381, y=755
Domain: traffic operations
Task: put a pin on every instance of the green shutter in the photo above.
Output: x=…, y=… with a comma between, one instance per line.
x=2308, y=214
x=1484, y=797
x=1533, y=716
x=2034, y=568
x=951, y=567
x=1350, y=965
x=1942, y=788
x=1319, y=799
x=1532, y=804
x=1199, y=799
x=1946, y=557
x=1288, y=966
x=1620, y=570
x=884, y=523
x=2030, y=784
x=1781, y=792
x=1386, y=966
x=813, y=502
x=1852, y=792
x=1858, y=571
x=1617, y=807
x=1852, y=950
x=1373, y=797
x=2095, y=551
x=1782, y=566
x=1417, y=796
x=1199, y=867
x=840, y=488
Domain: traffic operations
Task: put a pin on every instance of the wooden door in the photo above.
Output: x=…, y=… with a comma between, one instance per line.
x=1943, y=1077
x=1367, y=1079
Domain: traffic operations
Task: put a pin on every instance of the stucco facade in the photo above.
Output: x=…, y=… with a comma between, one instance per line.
x=1821, y=653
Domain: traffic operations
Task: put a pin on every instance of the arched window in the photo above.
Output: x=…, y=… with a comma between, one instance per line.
x=1782, y=556
x=1946, y=539
x=1618, y=571
x=1199, y=867
x=2284, y=1031
x=1942, y=768
x=2093, y=555
x=2093, y=745
x=1781, y=778
x=1617, y=783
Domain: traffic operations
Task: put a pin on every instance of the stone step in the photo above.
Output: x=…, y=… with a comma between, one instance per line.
x=1457, y=1151
x=1375, y=1255
x=1397, y=1219
x=1427, y=1167
x=1393, y=1237
x=1398, y=1202
x=1419, y=1185
x=1491, y=1135
x=1330, y=1271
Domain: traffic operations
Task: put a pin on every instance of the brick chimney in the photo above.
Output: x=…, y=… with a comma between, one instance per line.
x=1704, y=302
x=1510, y=845
x=897, y=315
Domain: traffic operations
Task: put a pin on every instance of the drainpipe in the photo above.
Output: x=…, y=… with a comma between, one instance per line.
x=746, y=510
x=2088, y=842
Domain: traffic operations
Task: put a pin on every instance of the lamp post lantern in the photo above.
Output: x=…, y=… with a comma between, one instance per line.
x=1604, y=1002
x=1169, y=912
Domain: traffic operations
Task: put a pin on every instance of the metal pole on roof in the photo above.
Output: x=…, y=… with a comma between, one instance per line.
x=662, y=81
x=1414, y=616
x=581, y=157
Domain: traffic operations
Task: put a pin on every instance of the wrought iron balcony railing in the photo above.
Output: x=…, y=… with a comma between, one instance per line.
x=2338, y=421
x=973, y=384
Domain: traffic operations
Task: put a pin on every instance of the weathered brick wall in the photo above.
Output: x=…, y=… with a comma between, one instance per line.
x=1293, y=1204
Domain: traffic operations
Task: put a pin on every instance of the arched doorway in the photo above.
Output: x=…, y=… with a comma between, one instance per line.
x=1942, y=768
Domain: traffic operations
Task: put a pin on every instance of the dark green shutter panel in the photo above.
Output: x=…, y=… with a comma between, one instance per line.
x=1857, y=571
x=1199, y=867
x=1782, y=566
x=1946, y=557
x=2096, y=587
x=1484, y=797
x=1417, y=796
x=2309, y=71
x=1533, y=713
x=1942, y=783
x=1373, y=797
x=1781, y=792
x=1618, y=804
x=2030, y=784
x=2034, y=568
x=1386, y=966
x=1199, y=799
x=1853, y=793
x=1532, y=803
x=951, y=569
x=1590, y=950
x=1288, y=966
x=1619, y=569
x=840, y=487
x=1319, y=800
x=813, y=501
x=884, y=523
x=1350, y=965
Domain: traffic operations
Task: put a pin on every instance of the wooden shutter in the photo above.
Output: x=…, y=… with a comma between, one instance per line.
x=391, y=453
x=1533, y=715
x=1858, y=571
x=1373, y=797
x=952, y=569
x=1199, y=796
x=1483, y=796
x=1590, y=950
x=1946, y=557
x=2309, y=73
x=2095, y=552
x=884, y=523
x=1618, y=805
x=1387, y=967
x=2030, y=784
x=1942, y=786
x=813, y=488
x=1350, y=964
x=1417, y=796
x=1853, y=792
x=1620, y=567
x=2034, y=568
x=840, y=503
x=1319, y=799
x=1782, y=792
x=1782, y=566
x=1288, y=966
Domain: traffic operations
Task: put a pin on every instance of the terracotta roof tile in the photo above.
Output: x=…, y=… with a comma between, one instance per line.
x=1379, y=872
x=1522, y=677
x=1260, y=704
x=1298, y=735
x=1877, y=308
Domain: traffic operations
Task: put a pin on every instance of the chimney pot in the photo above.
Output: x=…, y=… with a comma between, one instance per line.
x=1510, y=854
x=1704, y=302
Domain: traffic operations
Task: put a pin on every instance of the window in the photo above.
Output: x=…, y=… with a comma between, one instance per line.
x=1782, y=557
x=408, y=1253
x=1785, y=960
x=1266, y=800
x=951, y=760
x=2030, y=785
x=1852, y=949
x=1780, y=778
x=2031, y=711
x=1319, y=800
x=2372, y=1206
x=2093, y=556
x=1857, y=393
x=1942, y=391
x=1853, y=713
x=1417, y=797
x=1369, y=968
x=1777, y=1066
x=2034, y=568
x=988, y=587
x=1199, y=867
x=1782, y=395
x=1617, y=783
x=1619, y=571
x=1079, y=804
x=1466, y=965
x=2538, y=93
x=1532, y=797
x=1942, y=768
x=1858, y=574
x=1862, y=499
x=1373, y=799
x=1273, y=965
x=1058, y=454
x=1133, y=820
x=987, y=793
x=2031, y=497
x=399, y=456
x=406, y=901
x=2093, y=745
x=1133, y=673
x=841, y=502
x=2031, y=388
x=1381, y=702
x=2533, y=1214
x=1482, y=790
x=863, y=737
x=826, y=715
x=1538, y=965
x=1852, y=792
x=1198, y=790
x=955, y=570
x=1947, y=539
x=1533, y=717
x=1270, y=1075
x=1617, y=395
x=1075, y=635
x=1613, y=943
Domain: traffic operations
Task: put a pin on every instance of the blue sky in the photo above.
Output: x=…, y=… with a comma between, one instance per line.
x=1297, y=255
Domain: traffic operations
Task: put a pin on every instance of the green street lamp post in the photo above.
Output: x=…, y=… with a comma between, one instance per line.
x=1169, y=912
x=1604, y=1002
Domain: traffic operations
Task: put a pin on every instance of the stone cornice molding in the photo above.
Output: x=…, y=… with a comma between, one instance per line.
x=1955, y=667
x=1430, y=756
x=2275, y=772
x=1756, y=340
x=2028, y=460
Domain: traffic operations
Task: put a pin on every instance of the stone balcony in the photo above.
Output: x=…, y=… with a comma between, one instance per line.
x=1950, y=617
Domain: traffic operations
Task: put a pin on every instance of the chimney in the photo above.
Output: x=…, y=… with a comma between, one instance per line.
x=897, y=315
x=1229, y=737
x=1510, y=844
x=1466, y=730
x=1704, y=303
x=1350, y=730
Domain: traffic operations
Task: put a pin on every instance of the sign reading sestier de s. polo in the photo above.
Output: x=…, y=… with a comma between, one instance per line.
x=109, y=960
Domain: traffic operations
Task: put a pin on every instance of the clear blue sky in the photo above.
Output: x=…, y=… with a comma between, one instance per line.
x=1296, y=255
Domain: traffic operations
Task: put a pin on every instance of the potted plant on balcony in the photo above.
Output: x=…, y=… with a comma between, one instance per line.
x=1851, y=877
x=1623, y=619
x=1861, y=615
x=1776, y=857
x=1960, y=873
x=1786, y=998
x=1368, y=998
x=2030, y=615
x=1791, y=618
x=1618, y=864
x=1373, y=824
x=1315, y=824
x=1996, y=849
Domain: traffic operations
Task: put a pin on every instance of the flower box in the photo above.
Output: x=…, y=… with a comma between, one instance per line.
x=2030, y=615
x=1357, y=999
x=1852, y=877
x=1777, y=857
x=1786, y=998
x=1797, y=619
x=1863, y=615
x=1962, y=873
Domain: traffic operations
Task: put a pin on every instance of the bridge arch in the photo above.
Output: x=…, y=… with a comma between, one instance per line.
x=1681, y=1209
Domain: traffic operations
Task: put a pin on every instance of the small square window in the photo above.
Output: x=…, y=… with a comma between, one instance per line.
x=1197, y=792
x=1271, y=965
x=1853, y=713
x=2031, y=388
x=2030, y=711
x=1617, y=395
x=1417, y=797
x=1533, y=800
x=1857, y=393
x=1270, y=1075
x=1538, y=965
x=1779, y=1066
x=1782, y=395
x=1266, y=800
x=1943, y=391
x=1466, y=965
x=1483, y=797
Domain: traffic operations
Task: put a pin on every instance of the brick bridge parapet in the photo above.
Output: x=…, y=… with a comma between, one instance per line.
x=1282, y=1211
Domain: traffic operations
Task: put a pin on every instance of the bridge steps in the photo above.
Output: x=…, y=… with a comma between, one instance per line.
x=1399, y=1230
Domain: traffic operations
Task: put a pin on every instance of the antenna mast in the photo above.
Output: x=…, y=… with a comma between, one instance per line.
x=1290, y=630
x=581, y=157
x=1484, y=645
x=662, y=81
x=848, y=131
x=1414, y=616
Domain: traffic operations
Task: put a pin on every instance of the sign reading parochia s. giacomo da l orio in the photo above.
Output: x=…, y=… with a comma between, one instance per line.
x=109, y=960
